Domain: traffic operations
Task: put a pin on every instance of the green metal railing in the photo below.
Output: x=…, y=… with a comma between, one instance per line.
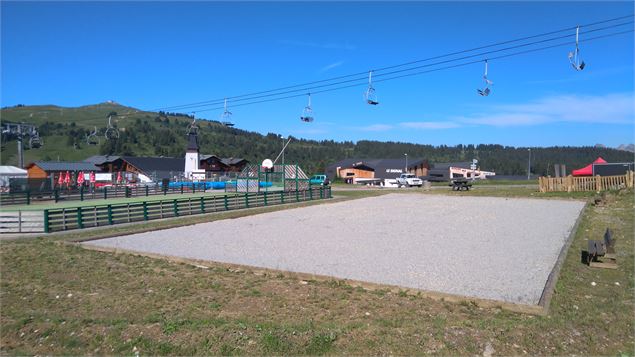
x=62, y=219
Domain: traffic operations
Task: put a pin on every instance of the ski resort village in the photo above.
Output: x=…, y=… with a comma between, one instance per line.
x=317, y=178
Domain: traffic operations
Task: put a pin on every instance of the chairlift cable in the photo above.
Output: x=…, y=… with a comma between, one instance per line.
x=422, y=66
x=426, y=71
x=233, y=98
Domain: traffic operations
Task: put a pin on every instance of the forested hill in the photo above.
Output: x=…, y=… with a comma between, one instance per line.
x=64, y=132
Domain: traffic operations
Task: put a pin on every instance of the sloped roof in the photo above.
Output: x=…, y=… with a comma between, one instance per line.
x=151, y=164
x=225, y=160
x=12, y=170
x=65, y=166
x=100, y=159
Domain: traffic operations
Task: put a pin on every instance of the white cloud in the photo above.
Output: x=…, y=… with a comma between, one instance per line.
x=429, y=125
x=614, y=108
x=331, y=66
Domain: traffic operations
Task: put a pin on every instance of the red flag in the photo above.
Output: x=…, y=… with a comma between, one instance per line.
x=119, y=177
x=67, y=179
x=80, y=178
x=92, y=177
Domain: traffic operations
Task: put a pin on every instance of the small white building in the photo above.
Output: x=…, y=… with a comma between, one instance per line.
x=9, y=172
x=192, y=171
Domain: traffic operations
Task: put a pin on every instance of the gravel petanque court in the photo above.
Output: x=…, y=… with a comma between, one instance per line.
x=485, y=247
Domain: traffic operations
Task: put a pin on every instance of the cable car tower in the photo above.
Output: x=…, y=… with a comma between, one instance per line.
x=21, y=131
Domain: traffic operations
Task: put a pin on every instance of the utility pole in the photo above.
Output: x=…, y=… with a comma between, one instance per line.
x=529, y=165
x=20, y=148
x=406, y=171
x=282, y=137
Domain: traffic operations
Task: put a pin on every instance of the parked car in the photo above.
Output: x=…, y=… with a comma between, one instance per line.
x=409, y=180
x=321, y=180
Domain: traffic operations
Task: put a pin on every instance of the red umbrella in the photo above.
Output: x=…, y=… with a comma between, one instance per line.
x=80, y=178
x=92, y=177
x=67, y=179
x=119, y=177
x=60, y=179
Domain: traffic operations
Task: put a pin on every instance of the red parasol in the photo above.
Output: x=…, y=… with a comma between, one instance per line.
x=119, y=177
x=80, y=178
x=67, y=179
x=92, y=177
x=60, y=179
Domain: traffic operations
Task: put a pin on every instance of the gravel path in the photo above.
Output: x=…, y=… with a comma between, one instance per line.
x=493, y=248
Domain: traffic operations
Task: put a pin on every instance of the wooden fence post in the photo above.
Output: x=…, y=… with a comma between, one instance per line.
x=46, y=221
x=598, y=183
x=110, y=214
x=80, y=219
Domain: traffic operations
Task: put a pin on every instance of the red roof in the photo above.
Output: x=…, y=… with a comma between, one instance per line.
x=588, y=170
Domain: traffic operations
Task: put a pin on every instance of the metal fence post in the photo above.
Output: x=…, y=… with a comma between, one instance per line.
x=81, y=193
x=110, y=214
x=202, y=204
x=147, y=190
x=226, y=203
x=145, y=210
x=80, y=219
x=193, y=187
x=28, y=197
x=105, y=193
x=56, y=193
x=310, y=192
x=265, y=198
x=176, y=206
x=46, y=221
x=321, y=192
x=281, y=196
x=20, y=221
x=246, y=200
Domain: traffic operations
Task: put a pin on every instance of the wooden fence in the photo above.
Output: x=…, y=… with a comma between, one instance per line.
x=62, y=219
x=586, y=183
x=22, y=222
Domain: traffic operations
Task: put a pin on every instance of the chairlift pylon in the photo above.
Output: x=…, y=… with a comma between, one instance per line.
x=192, y=127
x=485, y=91
x=225, y=118
x=112, y=133
x=92, y=138
x=574, y=57
x=307, y=112
x=370, y=95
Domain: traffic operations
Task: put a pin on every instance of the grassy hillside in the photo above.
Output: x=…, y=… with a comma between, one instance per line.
x=143, y=133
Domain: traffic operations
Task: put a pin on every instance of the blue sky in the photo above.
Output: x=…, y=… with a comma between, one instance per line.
x=156, y=54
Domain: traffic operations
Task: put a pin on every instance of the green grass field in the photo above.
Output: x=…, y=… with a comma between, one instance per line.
x=38, y=206
x=60, y=299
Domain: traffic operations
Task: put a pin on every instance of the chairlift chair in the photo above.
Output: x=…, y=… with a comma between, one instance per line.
x=307, y=112
x=574, y=57
x=34, y=140
x=225, y=118
x=92, y=138
x=112, y=133
x=485, y=91
x=370, y=95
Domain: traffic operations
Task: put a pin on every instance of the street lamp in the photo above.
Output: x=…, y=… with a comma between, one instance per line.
x=406, y=163
x=282, y=137
x=529, y=165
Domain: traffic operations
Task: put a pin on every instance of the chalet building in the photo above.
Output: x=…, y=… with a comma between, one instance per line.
x=157, y=168
x=375, y=170
x=52, y=169
x=215, y=164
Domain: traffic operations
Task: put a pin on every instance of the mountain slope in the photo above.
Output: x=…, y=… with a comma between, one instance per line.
x=64, y=132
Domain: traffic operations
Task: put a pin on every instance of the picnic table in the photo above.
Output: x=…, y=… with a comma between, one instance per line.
x=459, y=184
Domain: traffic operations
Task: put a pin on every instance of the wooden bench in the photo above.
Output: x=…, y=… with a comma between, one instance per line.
x=601, y=254
x=460, y=184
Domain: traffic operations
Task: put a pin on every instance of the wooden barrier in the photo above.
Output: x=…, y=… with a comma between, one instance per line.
x=22, y=222
x=61, y=219
x=586, y=183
